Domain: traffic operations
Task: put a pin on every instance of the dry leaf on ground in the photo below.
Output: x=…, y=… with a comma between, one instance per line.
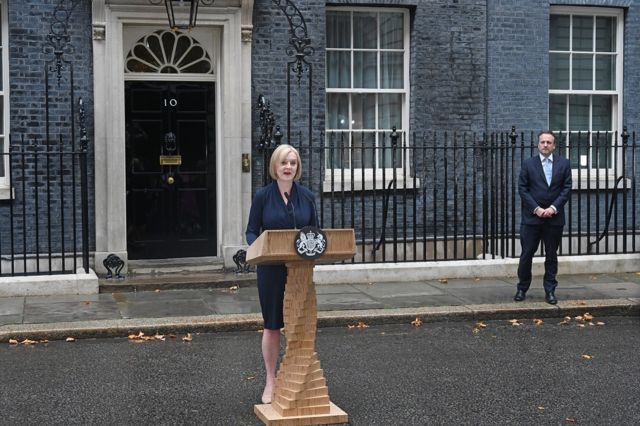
x=13, y=342
x=416, y=322
x=481, y=324
x=537, y=321
x=187, y=338
x=541, y=408
x=443, y=280
x=599, y=323
x=570, y=420
x=587, y=316
x=70, y=339
x=475, y=330
x=515, y=323
x=587, y=357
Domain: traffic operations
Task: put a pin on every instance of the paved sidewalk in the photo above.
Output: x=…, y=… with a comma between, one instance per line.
x=237, y=308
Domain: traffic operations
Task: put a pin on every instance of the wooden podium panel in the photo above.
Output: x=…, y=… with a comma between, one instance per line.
x=277, y=247
x=301, y=395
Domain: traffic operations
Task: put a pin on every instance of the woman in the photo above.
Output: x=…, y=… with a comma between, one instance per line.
x=283, y=204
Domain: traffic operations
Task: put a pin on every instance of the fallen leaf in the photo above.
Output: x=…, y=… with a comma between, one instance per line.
x=351, y=326
x=481, y=324
x=582, y=303
x=251, y=377
x=475, y=330
x=87, y=303
x=416, y=322
x=541, y=408
x=71, y=339
x=159, y=337
x=537, y=321
x=599, y=323
x=581, y=325
x=443, y=280
x=570, y=420
x=476, y=279
x=44, y=341
x=564, y=322
x=187, y=338
x=587, y=316
x=13, y=342
x=515, y=323
x=362, y=325
x=157, y=290
x=587, y=357
x=579, y=318
x=234, y=288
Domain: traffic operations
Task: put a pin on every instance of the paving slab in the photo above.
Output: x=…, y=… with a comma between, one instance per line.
x=482, y=295
x=328, y=302
x=385, y=290
x=239, y=307
x=11, y=305
x=617, y=289
x=10, y=319
x=42, y=312
x=422, y=300
x=165, y=308
x=335, y=289
x=470, y=283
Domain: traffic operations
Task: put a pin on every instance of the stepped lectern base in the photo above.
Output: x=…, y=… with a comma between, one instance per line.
x=270, y=417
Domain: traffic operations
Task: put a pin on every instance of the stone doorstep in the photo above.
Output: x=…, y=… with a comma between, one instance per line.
x=188, y=281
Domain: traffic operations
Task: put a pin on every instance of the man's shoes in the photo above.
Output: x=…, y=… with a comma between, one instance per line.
x=520, y=296
x=551, y=298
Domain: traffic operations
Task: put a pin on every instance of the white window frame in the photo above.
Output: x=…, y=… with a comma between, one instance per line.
x=605, y=174
x=333, y=177
x=5, y=192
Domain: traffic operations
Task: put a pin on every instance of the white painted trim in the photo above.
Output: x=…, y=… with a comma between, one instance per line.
x=233, y=123
x=48, y=285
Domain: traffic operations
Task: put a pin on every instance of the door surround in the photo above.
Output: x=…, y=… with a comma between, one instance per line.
x=233, y=119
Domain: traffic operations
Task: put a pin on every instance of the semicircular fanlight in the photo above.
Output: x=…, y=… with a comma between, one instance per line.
x=168, y=52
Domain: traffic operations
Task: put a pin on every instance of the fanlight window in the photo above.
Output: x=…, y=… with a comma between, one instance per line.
x=168, y=52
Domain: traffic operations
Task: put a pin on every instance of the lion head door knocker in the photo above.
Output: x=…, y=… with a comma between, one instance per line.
x=310, y=243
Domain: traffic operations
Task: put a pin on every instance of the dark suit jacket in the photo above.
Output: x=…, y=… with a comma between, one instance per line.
x=534, y=191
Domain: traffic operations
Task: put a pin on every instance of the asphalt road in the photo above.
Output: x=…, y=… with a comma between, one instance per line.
x=436, y=374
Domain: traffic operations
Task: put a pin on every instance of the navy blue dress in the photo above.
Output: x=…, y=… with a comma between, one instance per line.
x=269, y=211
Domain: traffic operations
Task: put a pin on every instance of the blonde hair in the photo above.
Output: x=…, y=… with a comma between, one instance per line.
x=279, y=154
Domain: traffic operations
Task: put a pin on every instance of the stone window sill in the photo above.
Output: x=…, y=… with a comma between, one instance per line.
x=7, y=193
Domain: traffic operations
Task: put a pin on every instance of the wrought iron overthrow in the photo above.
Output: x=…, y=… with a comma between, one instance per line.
x=59, y=40
x=299, y=41
x=193, y=11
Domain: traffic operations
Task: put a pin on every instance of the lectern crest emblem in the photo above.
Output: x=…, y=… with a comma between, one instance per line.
x=311, y=242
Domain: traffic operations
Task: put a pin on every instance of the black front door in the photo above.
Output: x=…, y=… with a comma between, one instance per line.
x=170, y=160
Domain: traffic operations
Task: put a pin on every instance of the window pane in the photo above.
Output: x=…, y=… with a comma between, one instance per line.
x=579, y=112
x=391, y=70
x=389, y=156
x=338, y=30
x=337, y=111
x=558, y=71
x=559, y=32
x=580, y=154
x=582, y=72
x=364, y=31
x=365, y=72
x=601, y=150
x=391, y=31
x=334, y=151
x=605, y=72
x=583, y=33
x=364, y=111
x=390, y=108
x=338, y=69
x=605, y=34
x=601, y=113
x=363, y=151
x=558, y=112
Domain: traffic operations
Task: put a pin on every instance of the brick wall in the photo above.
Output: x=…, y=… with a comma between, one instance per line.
x=31, y=64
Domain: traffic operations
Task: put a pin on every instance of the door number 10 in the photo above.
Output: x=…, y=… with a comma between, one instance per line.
x=171, y=102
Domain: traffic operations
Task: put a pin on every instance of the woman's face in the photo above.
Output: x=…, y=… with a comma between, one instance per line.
x=287, y=167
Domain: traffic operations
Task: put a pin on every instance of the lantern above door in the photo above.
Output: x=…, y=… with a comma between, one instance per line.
x=182, y=14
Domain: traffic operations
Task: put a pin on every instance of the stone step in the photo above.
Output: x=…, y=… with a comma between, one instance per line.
x=176, y=281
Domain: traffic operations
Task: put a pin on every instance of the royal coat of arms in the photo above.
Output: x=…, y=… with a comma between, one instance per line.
x=311, y=242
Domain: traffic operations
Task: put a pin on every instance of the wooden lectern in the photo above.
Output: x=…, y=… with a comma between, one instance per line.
x=300, y=396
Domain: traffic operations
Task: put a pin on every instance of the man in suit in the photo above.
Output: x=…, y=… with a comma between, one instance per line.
x=544, y=186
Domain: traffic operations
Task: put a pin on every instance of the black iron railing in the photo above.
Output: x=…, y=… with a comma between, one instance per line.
x=454, y=196
x=44, y=227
